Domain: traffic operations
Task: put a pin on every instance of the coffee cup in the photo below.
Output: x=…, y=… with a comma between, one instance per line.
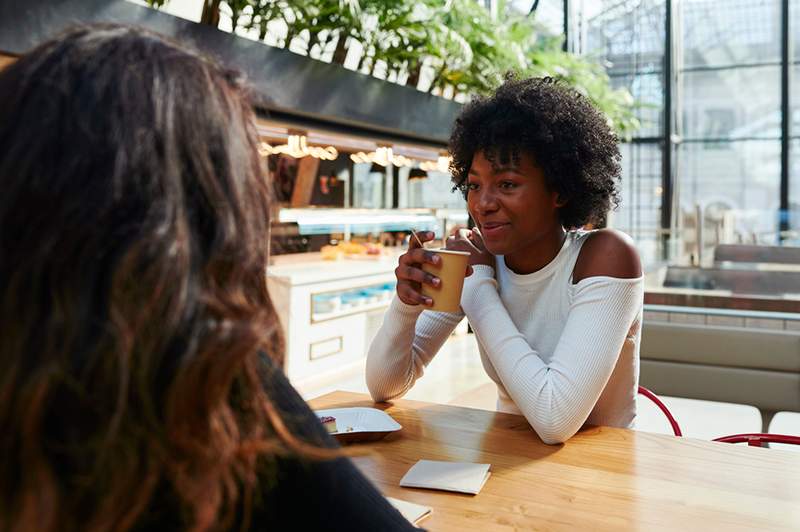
x=451, y=272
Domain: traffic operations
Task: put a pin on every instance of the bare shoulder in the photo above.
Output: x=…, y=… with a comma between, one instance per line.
x=607, y=253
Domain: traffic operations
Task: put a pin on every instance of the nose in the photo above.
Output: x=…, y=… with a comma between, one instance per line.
x=485, y=200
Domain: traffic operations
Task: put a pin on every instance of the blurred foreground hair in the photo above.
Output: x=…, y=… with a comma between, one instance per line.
x=133, y=245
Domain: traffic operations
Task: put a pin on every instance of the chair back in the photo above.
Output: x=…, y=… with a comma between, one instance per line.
x=653, y=397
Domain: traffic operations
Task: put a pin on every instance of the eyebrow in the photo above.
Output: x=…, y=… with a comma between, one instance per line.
x=498, y=170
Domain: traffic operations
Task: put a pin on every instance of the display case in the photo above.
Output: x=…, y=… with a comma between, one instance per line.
x=330, y=311
x=333, y=304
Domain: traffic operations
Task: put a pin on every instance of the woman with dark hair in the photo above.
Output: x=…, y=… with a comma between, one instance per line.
x=555, y=309
x=140, y=355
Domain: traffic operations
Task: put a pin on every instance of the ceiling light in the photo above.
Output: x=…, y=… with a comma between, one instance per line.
x=297, y=146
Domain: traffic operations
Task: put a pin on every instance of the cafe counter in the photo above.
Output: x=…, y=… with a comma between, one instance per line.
x=329, y=310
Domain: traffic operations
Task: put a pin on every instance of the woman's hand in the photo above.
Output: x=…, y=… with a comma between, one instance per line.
x=472, y=242
x=410, y=275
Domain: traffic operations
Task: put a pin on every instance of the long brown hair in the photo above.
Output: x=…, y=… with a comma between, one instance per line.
x=134, y=218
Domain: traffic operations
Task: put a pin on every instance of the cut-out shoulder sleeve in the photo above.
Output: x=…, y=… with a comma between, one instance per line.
x=607, y=253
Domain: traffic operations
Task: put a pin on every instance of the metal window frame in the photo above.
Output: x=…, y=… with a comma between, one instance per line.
x=668, y=169
x=786, y=117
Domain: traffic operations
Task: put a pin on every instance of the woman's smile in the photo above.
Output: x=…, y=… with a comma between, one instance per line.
x=494, y=230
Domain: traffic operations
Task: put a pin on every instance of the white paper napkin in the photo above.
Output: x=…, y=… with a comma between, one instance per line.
x=463, y=477
x=414, y=513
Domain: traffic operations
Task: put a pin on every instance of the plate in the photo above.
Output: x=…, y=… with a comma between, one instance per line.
x=360, y=423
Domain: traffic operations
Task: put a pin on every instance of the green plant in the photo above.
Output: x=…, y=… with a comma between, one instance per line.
x=467, y=50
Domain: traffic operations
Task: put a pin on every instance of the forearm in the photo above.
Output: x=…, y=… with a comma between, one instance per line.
x=406, y=342
x=555, y=398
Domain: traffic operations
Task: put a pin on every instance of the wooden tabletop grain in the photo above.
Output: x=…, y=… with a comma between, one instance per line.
x=602, y=478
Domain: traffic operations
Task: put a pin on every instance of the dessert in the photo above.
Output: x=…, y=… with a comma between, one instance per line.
x=329, y=422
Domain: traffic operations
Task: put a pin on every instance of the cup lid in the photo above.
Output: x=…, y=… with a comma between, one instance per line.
x=450, y=251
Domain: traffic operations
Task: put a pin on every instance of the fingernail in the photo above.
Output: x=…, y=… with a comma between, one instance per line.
x=437, y=259
x=428, y=301
x=436, y=281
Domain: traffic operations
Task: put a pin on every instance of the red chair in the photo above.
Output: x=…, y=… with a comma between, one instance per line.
x=653, y=397
x=759, y=439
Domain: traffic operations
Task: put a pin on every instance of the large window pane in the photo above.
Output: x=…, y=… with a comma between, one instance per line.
x=732, y=103
x=549, y=13
x=732, y=32
x=794, y=27
x=627, y=35
x=740, y=176
x=648, y=90
x=639, y=213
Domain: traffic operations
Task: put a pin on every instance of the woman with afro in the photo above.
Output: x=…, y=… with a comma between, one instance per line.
x=555, y=308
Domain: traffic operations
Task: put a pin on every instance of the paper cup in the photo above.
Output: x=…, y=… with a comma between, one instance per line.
x=447, y=296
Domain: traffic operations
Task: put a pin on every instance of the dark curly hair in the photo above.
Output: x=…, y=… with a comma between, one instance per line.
x=568, y=138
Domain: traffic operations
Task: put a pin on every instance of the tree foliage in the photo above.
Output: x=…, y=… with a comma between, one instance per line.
x=464, y=49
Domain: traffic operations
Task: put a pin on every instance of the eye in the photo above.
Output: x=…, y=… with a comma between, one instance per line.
x=466, y=187
x=508, y=185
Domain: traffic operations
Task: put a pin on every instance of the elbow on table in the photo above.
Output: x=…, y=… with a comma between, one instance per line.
x=379, y=389
x=553, y=434
x=376, y=391
x=378, y=395
x=375, y=381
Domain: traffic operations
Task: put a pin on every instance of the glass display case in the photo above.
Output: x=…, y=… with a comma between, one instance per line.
x=338, y=303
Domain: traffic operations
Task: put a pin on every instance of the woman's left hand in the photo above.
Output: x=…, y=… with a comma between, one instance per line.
x=472, y=242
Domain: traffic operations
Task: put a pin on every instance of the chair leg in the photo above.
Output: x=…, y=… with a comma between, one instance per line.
x=766, y=419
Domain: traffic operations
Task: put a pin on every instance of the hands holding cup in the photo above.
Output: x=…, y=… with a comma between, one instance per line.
x=471, y=241
x=433, y=277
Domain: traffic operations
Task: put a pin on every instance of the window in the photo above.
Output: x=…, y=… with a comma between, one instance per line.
x=730, y=33
x=729, y=90
x=628, y=37
x=742, y=176
x=641, y=194
x=731, y=103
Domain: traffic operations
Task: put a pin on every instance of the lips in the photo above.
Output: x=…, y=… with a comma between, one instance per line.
x=493, y=229
x=492, y=225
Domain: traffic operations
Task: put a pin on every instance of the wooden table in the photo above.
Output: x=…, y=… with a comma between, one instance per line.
x=602, y=478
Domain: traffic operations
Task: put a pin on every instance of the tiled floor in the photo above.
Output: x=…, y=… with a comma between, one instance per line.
x=456, y=376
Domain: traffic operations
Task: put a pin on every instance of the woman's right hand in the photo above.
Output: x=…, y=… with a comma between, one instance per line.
x=410, y=275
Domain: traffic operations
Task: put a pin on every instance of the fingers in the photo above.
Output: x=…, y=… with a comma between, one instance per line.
x=415, y=275
x=420, y=256
x=410, y=277
x=457, y=243
x=476, y=235
x=424, y=236
x=409, y=296
x=477, y=239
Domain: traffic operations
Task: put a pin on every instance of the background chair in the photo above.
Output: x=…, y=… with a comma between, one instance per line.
x=676, y=429
x=759, y=439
